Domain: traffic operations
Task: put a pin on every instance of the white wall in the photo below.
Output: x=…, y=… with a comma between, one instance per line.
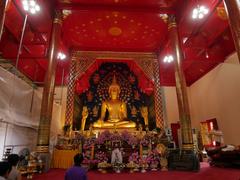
x=22, y=119
x=217, y=95
x=171, y=105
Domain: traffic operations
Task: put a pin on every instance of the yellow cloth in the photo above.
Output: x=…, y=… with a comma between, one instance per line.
x=63, y=158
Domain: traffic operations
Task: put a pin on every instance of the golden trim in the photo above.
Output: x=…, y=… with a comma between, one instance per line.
x=222, y=14
x=172, y=25
x=115, y=31
x=42, y=149
x=188, y=146
x=57, y=21
x=115, y=55
x=74, y=58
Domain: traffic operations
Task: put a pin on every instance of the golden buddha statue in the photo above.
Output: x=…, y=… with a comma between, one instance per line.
x=117, y=110
x=84, y=117
x=144, y=112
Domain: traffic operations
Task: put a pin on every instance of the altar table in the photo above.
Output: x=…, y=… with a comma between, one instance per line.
x=63, y=158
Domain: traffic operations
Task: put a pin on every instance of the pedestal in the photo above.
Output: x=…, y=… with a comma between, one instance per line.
x=183, y=160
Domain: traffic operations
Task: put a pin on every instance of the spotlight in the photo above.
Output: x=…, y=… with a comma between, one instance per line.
x=61, y=56
x=199, y=12
x=30, y=6
x=168, y=59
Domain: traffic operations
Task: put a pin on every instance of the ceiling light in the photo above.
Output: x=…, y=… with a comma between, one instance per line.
x=184, y=40
x=61, y=56
x=207, y=56
x=199, y=12
x=168, y=59
x=30, y=6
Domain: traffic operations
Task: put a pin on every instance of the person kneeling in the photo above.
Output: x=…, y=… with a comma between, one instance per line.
x=76, y=172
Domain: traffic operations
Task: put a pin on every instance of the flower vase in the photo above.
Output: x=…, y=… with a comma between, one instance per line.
x=154, y=166
x=104, y=171
x=143, y=170
x=164, y=164
x=135, y=169
x=131, y=170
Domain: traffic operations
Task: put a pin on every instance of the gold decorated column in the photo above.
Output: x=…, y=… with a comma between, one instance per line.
x=158, y=95
x=233, y=11
x=3, y=8
x=181, y=88
x=49, y=85
x=71, y=91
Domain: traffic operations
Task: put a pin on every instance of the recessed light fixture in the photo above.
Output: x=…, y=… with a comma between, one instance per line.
x=168, y=59
x=199, y=12
x=61, y=56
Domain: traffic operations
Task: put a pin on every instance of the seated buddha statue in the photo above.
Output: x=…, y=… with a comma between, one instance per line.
x=117, y=110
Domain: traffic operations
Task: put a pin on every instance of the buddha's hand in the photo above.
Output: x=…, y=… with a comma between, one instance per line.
x=99, y=123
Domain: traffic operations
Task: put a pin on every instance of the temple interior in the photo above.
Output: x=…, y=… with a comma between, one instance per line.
x=149, y=76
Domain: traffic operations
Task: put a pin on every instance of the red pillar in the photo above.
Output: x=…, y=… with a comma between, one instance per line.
x=3, y=8
x=233, y=11
x=49, y=86
x=181, y=88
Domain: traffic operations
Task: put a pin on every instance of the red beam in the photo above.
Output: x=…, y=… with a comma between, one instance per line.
x=101, y=7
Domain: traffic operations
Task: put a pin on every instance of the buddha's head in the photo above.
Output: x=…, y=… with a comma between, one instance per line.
x=114, y=89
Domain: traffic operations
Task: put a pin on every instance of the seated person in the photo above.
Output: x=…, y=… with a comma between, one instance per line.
x=226, y=156
x=116, y=156
x=76, y=172
x=5, y=169
x=13, y=160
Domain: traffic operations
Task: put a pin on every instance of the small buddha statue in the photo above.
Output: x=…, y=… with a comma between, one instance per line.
x=84, y=117
x=90, y=132
x=144, y=112
x=117, y=110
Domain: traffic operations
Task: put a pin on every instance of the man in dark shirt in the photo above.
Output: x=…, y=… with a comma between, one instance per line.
x=76, y=172
x=5, y=169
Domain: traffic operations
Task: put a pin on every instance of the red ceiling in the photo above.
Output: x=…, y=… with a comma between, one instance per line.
x=119, y=25
x=114, y=31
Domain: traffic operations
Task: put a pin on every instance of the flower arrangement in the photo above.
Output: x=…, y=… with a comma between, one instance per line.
x=89, y=161
x=104, y=136
x=101, y=157
x=133, y=141
x=117, y=167
x=88, y=143
x=116, y=137
x=143, y=164
x=153, y=158
x=145, y=141
x=134, y=157
x=126, y=136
